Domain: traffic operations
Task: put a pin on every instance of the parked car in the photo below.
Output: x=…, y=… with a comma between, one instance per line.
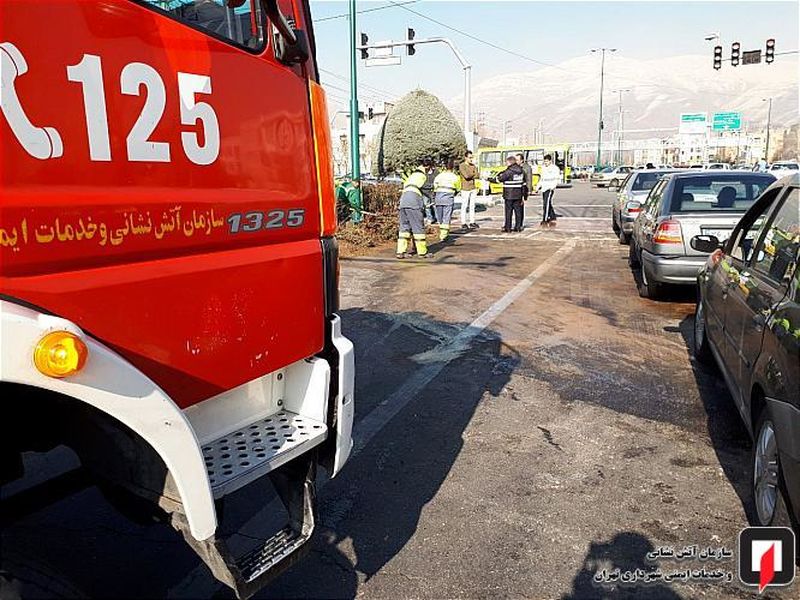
x=783, y=168
x=632, y=192
x=747, y=321
x=718, y=165
x=610, y=176
x=679, y=207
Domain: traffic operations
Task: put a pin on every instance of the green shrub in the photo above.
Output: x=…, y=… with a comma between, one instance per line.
x=418, y=126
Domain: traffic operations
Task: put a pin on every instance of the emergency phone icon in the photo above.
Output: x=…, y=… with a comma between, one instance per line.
x=39, y=142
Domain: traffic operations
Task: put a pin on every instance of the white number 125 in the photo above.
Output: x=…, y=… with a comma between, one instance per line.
x=89, y=73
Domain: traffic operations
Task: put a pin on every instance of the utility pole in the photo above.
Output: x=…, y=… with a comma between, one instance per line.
x=355, y=153
x=602, y=78
x=769, y=122
x=621, y=124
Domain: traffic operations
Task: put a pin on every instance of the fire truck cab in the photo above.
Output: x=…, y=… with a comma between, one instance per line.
x=168, y=271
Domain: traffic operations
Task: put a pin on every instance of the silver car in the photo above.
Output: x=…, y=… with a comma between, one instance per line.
x=632, y=193
x=679, y=207
x=610, y=176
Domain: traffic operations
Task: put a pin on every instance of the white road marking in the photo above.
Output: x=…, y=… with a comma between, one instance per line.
x=199, y=582
x=377, y=419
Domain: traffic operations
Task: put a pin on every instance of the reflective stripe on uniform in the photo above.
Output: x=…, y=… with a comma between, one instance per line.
x=421, y=243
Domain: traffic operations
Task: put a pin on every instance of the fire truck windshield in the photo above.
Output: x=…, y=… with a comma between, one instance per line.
x=241, y=25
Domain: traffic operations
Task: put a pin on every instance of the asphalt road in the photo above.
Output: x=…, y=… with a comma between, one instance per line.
x=524, y=420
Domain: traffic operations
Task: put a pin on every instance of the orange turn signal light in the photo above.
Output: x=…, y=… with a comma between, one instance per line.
x=60, y=354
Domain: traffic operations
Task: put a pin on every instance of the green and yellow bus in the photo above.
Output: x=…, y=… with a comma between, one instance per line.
x=493, y=160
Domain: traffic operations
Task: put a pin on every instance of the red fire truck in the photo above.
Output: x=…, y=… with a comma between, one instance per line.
x=168, y=267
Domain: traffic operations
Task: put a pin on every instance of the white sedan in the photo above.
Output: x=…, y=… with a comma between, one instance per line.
x=783, y=168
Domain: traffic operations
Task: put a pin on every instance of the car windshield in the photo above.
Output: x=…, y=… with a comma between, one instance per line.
x=608, y=170
x=645, y=181
x=790, y=166
x=717, y=193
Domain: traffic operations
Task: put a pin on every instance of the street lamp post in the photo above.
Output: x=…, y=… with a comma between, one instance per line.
x=769, y=122
x=355, y=154
x=620, y=135
x=602, y=79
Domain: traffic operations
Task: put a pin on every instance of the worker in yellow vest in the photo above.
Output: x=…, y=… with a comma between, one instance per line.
x=412, y=215
x=445, y=187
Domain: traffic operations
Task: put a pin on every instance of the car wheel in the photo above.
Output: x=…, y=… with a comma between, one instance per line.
x=769, y=505
x=649, y=288
x=701, y=349
x=624, y=238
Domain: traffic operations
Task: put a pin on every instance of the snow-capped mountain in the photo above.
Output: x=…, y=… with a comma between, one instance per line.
x=566, y=96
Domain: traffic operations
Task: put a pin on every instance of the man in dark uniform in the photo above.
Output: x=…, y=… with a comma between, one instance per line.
x=528, y=187
x=513, y=180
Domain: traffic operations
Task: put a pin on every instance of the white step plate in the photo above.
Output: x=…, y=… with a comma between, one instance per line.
x=236, y=459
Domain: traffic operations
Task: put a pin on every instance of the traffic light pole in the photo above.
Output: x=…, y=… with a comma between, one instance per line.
x=355, y=154
x=464, y=65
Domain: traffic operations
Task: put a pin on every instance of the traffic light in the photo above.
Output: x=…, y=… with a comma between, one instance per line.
x=364, y=42
x=770, y=54
x=370, y=113
x=717, y=57
x=410, y=50
x=735, y=53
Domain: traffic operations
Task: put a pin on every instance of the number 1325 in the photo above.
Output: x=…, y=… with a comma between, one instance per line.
x=273, y=219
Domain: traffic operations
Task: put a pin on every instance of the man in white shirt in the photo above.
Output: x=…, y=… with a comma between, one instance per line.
x=549, y=179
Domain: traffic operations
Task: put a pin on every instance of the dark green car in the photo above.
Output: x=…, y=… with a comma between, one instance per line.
x=748, y=321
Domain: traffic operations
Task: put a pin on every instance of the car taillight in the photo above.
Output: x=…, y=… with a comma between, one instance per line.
x=668, y=232
x=633, y=207
x=324, y=158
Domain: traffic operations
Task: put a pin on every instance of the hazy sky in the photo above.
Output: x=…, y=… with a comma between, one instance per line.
x=550, y=32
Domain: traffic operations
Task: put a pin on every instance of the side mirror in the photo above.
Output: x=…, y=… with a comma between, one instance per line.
x=291, y=45
x=705, y=243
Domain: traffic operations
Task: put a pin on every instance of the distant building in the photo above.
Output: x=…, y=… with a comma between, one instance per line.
x=370, y=124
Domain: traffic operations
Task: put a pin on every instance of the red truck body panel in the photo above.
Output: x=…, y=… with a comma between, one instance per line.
x=142, y=254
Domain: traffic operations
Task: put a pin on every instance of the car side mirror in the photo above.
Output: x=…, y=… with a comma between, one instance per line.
x=291, y=45
x=705, y=243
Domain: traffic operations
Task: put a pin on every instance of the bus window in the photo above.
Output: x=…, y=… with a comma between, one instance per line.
x=490, y=159
x=535, y=157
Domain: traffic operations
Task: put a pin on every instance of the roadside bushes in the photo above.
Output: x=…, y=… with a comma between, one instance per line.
x=379, y=198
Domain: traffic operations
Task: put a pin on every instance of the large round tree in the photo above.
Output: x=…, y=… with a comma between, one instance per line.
x=419, y=125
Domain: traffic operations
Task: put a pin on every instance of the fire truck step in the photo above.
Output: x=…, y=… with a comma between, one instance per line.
x=263, y=558
x=236, y=459
x=294, y=485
